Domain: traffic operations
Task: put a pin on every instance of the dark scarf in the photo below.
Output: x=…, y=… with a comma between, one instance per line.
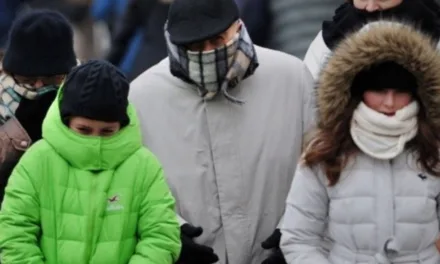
x=31, y=114
x=424, y=14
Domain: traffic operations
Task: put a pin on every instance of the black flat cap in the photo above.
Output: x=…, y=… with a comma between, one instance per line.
x=192, y=21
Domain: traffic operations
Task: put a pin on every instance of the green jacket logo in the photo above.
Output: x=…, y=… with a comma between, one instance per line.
x=113, y=203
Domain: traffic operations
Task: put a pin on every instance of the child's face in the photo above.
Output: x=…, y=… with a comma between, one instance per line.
x=89, y=127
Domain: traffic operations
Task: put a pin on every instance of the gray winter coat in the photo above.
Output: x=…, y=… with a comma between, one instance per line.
x=229, y=166
x=381, y=211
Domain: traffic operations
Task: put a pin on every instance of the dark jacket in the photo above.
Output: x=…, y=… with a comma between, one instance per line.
x=149, y=16
x=9, y=9
x=75, y=11
x=257, y=17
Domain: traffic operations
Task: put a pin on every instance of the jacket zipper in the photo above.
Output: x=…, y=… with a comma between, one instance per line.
x=393, y=198
x=91, y=221
x=393, y=208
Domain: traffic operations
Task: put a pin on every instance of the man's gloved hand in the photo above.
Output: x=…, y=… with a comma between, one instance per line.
x=193, y=253
x=273, y=243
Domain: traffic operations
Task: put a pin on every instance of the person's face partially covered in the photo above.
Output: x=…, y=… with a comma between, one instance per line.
x=217, y=41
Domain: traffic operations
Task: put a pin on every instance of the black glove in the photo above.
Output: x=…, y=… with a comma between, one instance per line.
x=273, y=243
x=193, y=253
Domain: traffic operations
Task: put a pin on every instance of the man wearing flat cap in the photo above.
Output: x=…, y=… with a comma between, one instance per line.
x=226, y=119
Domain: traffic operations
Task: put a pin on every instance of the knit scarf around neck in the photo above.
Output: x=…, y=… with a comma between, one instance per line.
x=243, y=65
x=424, y=14
x=12, y=93
x=381, y=136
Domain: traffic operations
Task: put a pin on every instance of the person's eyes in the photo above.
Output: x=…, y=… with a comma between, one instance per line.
x=107, y=132
x=83, y=130
x=218, y=41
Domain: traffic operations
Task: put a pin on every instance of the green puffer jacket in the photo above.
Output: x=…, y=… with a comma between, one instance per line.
x=76, y=199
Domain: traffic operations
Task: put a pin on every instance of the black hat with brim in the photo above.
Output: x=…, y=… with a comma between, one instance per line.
x=191, y=21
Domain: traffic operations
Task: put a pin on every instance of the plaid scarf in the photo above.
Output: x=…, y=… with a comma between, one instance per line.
x=11, y=94
x=230, y=64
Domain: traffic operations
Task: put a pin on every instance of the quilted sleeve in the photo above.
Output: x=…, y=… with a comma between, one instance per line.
x=158, y=226
x=20, y=214
x=304, y=223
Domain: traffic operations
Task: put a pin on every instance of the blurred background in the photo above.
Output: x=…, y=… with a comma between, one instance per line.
x=129, y=33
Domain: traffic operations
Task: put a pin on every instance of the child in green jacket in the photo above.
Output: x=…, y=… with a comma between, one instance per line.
x=89, y=192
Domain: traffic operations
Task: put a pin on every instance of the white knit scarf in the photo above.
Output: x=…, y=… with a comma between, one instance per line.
x=381, y=136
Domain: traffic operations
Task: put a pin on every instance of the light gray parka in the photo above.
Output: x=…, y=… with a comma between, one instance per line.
x=229, y=166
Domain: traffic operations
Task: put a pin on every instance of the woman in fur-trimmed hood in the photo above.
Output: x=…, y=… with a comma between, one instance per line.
x=369, y=179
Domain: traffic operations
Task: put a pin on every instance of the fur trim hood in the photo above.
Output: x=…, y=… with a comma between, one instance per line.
x=379, y=42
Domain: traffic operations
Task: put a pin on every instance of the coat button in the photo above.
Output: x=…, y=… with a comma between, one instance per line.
x=24, y=144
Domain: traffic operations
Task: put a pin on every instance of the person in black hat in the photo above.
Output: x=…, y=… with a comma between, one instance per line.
x=226, y=118
x=38, y=55
x=89, y=184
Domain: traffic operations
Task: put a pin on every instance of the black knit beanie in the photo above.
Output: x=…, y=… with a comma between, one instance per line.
x=96, y=90
x=40, y=44
x=386, y=75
